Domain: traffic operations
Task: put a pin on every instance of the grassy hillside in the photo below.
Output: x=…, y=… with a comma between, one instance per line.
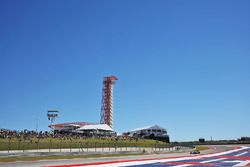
x=68, y=142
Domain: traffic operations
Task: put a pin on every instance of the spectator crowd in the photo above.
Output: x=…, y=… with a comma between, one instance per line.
x=6, y=133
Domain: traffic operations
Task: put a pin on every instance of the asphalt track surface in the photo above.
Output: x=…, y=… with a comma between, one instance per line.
x=217, y=156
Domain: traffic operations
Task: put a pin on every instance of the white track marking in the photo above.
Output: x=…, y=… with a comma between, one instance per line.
x=237, y=161
x=241, y=154
x=223, y=153
x=243, y=163
x=213, y=160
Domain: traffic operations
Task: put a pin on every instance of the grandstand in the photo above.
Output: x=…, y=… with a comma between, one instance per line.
x=150, y=132
x=83, y=129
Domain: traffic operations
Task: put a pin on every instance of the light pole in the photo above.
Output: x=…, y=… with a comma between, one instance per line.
x=52, y=114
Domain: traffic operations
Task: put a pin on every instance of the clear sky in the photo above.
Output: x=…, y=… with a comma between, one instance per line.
x=183, y=65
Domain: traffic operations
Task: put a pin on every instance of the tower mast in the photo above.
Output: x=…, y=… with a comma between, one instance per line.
x=107, y=100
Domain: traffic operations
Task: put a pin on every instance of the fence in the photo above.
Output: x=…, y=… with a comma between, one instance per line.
x=82, y=146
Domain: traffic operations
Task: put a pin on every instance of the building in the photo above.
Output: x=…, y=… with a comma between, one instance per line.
x=68, y=127
x=150, y=132
x=202, y=140
x=83, y=129
x=97, y=130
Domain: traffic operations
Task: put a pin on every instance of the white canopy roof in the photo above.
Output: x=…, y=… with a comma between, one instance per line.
x=97, y=127
x=148, y=127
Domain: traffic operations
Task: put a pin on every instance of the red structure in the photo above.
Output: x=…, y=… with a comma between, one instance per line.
x=107, y=101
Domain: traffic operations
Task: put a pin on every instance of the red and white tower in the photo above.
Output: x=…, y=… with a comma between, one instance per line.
x=107, y=100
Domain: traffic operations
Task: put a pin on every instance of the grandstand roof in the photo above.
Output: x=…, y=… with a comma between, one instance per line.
x=61, y=125
x=97, y=127
x=147, y=127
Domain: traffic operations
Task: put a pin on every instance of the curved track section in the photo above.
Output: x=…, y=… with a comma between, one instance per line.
x=215, y=156
x=239, y=156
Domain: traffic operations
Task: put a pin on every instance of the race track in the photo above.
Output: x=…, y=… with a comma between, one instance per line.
x=216, y=156
x=239, y=156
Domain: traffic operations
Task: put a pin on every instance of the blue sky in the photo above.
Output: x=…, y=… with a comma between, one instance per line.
x=184, y=65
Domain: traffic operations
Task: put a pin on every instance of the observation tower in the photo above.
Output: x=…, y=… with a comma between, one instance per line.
x=107, y=100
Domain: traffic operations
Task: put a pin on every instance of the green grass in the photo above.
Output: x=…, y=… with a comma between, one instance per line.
x=201, y=148
x=12, y=159
x=56, y=143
